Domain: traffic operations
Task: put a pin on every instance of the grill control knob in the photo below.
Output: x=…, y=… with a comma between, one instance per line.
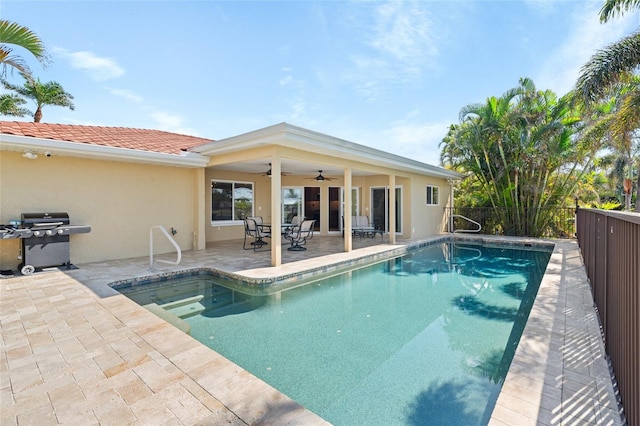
x=60, y=231
x=37, y=233
x=49, y=232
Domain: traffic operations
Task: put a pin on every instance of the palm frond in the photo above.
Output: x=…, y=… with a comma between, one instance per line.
x=14, y=61
x=612, y=8
x=13, y=33
x=628, y=116
x=607, y=67
x=11, y=104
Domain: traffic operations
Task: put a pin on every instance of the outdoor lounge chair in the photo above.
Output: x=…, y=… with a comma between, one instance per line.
x=256, y=231
x=298, y=235
x=360, y=226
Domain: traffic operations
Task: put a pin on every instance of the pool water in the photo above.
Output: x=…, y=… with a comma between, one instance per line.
x=426, y=338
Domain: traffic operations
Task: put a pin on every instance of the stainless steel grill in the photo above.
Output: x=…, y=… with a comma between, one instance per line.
x=45, y=239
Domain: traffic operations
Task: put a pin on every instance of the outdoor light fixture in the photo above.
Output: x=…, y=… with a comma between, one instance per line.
x=30, y=155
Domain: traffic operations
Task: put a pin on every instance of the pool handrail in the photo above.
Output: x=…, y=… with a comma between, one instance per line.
x=171, y=240
x=467, y=219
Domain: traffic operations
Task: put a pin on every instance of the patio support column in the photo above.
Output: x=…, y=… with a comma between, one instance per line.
x=346, y=213
x=392, y=209
x=451, y=182
x=199, y=206
x=276, y=212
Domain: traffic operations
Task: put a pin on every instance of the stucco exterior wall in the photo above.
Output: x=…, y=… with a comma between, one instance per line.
x=419, y=220
x=120, y=201
x=426, y=219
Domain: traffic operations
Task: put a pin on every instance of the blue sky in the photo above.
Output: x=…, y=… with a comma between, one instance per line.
x=390, y=75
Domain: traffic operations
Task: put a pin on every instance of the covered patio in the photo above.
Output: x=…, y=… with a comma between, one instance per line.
x=283, y=171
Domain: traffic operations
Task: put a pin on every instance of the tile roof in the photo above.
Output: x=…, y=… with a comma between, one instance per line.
x=119, y=137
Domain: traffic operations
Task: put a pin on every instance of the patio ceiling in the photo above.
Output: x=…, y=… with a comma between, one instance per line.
x=293, y=167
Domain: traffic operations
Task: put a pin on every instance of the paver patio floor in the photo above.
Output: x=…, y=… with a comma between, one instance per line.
x=74, y=351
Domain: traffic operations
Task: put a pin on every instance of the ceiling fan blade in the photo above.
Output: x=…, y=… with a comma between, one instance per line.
x=268, y=172
x=320, y=177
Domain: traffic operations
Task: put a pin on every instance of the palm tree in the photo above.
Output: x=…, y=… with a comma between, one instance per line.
x=523, y=150
x=13, y=34
x=11, y=104
x=50, y=93
x=611, y=73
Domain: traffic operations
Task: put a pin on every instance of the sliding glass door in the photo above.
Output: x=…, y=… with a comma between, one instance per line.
x=292, y=202
x=380, y=208
x=312, y=205
x=379, y=217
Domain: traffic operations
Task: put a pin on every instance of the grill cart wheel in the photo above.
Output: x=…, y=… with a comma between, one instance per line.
x=28, y=269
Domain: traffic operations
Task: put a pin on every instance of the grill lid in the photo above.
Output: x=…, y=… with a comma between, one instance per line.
x=44, y=220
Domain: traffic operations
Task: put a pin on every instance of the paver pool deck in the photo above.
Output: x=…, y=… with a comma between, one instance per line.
x=74, y=351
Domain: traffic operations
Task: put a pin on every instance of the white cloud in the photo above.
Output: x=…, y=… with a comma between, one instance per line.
x=585, y=35
x=286, y=80
x=419, y=141
x=403, y=42
x=368, y=75
x=410, y=138
x=541, y=6
x=403, y=32
x=171, y=123
x=298, y=110
x=98, y=68
x=124, y=93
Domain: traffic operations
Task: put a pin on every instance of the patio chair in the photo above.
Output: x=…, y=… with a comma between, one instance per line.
x=296, y=220
x=361, y=227
x=255, y=231
x=291, y=226
x=299, y=235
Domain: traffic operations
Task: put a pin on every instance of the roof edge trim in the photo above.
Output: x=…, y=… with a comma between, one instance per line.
x=74, y=149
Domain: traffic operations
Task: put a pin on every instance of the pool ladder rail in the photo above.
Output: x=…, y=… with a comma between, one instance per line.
x=451, y=224
x=171, y=240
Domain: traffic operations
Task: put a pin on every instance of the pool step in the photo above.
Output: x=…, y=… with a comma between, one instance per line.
x=196, y=305
x=182, y=302
x=169, y=317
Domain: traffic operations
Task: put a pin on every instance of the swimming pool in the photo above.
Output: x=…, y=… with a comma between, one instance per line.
x=424, y=338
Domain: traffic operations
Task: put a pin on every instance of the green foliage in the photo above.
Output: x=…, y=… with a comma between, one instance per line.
x=50, y=93
x=11, y=104
x=13, y=34
x=522, y=152
x=610, y=205
x=611, y=76
x=612, y=8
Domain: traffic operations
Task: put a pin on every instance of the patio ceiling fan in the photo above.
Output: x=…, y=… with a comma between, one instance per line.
x=268, y=172
x=320, y=177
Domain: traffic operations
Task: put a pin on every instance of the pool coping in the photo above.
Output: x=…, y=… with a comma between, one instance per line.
x=559, y=373
x=257, y=283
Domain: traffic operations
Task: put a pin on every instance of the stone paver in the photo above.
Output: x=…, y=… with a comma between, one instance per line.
x=75, y=351
x=560, y=375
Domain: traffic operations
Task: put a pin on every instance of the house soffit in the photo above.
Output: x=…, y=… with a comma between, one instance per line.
x=309, y=141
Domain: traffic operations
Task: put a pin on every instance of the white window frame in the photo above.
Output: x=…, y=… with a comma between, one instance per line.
x=233, y=202
x=300, y=207
x=355, y=204
x=433, y=194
